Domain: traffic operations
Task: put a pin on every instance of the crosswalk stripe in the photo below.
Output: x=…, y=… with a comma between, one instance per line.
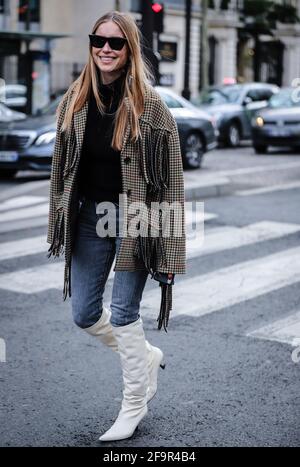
x=268, y=189
x=23, y=224
x=204, y=294
x=197, y=296
x=35, y=279
x=198, y=216
x=23, y=247
x=217, y=239
x=21, y=201
x=285, y=330
x=31, y=212
x=258, y=169
x=235, y=237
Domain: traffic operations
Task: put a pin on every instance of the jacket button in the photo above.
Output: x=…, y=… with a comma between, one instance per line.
x=127, y=160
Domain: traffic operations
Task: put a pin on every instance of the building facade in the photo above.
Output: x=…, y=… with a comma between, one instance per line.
x=231, y=53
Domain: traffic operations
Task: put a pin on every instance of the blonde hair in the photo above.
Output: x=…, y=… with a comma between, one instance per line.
x=138, y=72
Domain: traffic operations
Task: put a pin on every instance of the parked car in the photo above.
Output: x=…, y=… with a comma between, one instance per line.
x=28, y=144
x=232, y=106
x=195, y=127
x=279, y=123
x=9, y=115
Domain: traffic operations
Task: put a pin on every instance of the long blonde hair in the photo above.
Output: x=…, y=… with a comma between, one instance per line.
x=138, y=72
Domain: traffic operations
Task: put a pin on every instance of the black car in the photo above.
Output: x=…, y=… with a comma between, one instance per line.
x=279, y=123
x=29, y=144
x=232, y=106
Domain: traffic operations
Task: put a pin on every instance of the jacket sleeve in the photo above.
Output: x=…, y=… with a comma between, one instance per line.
x=56, y=177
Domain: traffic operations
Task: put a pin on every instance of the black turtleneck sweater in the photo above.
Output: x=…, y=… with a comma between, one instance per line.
x=100, y=177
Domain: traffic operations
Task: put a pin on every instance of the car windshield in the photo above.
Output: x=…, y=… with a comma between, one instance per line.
x=222, y=95
x=286, y=98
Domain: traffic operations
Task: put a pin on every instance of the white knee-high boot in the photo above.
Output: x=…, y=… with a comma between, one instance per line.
x=133, y=356
x=103, y=330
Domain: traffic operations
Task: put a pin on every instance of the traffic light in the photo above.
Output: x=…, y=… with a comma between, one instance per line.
x=158, y=17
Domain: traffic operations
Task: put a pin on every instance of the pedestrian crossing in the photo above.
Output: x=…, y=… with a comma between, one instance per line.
x=195, y=296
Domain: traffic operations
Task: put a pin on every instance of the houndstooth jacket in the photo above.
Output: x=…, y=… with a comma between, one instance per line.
x=151, y=172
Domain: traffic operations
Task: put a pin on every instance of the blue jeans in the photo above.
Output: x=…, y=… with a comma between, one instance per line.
x=92, y=259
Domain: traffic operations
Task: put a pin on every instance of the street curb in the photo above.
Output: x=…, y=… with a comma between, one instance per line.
x=207, y=188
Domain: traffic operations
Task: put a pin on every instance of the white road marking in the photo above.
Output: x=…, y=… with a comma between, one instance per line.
x=257, y=169
x=21, y=201
x=285, y=330
x=204, y=294
x=23, y=188
x=21, y=224
x=34, y=280
x=215, y=240
x=198, y=216
x=268, y=189
x=23, y=247
x=16, y=214
x=235, y=237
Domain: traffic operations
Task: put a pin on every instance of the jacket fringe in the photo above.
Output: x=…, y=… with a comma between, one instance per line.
x=155, y=163
x=151, y=251
x=165, y=306
x=71, y=150
x=57, y=246
x=155, y=168
x=67, y=280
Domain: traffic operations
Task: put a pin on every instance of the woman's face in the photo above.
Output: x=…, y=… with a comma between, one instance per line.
x=110, y=62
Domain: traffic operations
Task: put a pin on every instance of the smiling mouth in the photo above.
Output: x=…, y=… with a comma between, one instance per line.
x=107, y=59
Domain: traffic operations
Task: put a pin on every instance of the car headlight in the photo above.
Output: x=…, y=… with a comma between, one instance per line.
x=46, y=138
x=258, y=121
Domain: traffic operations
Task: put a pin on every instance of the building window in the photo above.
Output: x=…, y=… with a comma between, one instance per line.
x=29, y=10
x=2, y=7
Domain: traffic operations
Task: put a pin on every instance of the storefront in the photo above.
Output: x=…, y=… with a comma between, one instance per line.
x=25, y=61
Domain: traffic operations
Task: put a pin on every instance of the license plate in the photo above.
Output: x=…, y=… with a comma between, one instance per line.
x=281, y=132
x=8, y=156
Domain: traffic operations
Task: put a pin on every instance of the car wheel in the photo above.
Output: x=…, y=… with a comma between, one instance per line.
x=260, y=149
x=233, y=135
x=7, y=173
x=194, y=150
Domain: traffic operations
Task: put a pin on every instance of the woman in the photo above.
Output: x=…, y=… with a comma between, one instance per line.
x=116, y=146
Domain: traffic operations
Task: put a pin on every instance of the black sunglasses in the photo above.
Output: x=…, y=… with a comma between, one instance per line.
x=115, y=43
